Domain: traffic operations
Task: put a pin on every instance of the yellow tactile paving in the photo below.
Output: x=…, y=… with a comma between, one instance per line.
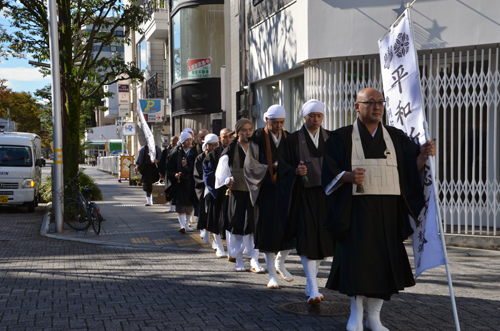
x=163, y=241
x=141, y=240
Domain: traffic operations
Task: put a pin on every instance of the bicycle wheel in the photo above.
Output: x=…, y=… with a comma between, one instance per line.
x=96, y=220
x=75, y=216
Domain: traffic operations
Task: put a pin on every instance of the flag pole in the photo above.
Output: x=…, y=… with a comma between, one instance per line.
x=434, y=185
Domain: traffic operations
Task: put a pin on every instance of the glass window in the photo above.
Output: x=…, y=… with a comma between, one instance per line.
x=198, y=42
x=15, y=156
x=113, y=48
x=141, y=55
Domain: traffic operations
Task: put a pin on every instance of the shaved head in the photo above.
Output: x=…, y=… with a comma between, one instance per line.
x=225, y=137
x=362, y=95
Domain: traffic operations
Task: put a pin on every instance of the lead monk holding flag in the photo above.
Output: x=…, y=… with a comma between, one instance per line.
x=371, y=175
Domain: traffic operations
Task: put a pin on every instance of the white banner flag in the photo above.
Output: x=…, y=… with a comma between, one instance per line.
x=401, y=80
x=150, y=140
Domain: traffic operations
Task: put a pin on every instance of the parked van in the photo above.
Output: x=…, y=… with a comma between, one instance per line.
x=20, y=169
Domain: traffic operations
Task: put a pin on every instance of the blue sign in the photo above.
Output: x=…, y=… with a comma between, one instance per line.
x=151, y=106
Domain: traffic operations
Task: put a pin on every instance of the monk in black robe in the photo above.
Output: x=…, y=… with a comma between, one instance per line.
x=179, y=174
x=240, y=211
x=300, y=195
x=216, y=218
x=260, y=168
x=211, y=142
x=371, y=174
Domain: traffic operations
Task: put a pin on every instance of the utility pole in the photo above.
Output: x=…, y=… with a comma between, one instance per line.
x=58, y=179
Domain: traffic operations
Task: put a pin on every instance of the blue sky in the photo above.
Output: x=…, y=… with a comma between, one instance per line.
x=19, y=74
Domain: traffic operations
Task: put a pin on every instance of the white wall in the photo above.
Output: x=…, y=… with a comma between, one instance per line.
x=279, y=43
x=339, y=28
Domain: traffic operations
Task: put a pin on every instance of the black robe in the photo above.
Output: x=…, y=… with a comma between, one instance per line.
x=269, y=230
x=303, y=209
x=216, y=216
x=370, y=258
x=180, y=189
x=240, y=211
x=149, y=171
x=199, y=187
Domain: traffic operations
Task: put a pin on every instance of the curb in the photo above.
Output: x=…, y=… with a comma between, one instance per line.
x=44, y=231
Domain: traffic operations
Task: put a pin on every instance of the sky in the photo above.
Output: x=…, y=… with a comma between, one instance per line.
x=21, y=76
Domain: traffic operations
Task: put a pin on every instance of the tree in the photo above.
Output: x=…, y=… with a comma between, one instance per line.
x=24, y=109
x=85, y=29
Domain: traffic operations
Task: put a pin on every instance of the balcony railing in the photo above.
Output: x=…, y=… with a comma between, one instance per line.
x=154, y=87
x=155, y=6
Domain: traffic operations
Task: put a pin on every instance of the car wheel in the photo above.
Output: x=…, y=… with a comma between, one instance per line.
x=31, y=206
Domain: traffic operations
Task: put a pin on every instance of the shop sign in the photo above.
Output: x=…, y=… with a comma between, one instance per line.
x=124, y=110
x=152, y=109
x=129, y=129
x=200, y=68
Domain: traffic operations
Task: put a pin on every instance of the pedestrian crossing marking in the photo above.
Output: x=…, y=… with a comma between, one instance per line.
x=141, y=240
x=163, y=241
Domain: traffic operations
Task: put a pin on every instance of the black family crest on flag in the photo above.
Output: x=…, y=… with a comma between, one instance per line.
x=402, y=44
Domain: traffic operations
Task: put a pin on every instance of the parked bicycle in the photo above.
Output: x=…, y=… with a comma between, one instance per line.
x=79, y=212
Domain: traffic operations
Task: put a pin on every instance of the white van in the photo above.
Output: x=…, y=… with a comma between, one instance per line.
x=20, y=169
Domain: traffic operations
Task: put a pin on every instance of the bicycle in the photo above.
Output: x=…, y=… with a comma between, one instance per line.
x=79, y=212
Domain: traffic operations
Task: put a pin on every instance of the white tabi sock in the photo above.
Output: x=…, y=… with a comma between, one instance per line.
x=355, y=322
x=271, y=268
x=220, y=246
x=181, y=222
x=237, y=249
x=249, y=248
x=374, y=306
x=310, y=269
x=280, y=266
x=188, y=219
x=214, y=242
x=229, y=244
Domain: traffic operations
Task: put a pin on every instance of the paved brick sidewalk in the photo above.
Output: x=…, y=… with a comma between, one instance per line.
x=48, y=284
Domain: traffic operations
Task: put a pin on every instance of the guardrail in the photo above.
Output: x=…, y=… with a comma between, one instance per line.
x=109, y=164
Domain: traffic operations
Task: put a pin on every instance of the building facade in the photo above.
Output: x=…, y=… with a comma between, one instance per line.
x=297, y=50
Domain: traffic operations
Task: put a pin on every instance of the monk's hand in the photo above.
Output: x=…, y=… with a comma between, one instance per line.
x=428, y=149
x=358, y=176
x=178, y=175
x=275, y=165
x=230, y=184
x=184, y=162
x=301, y=169
x=156, y=161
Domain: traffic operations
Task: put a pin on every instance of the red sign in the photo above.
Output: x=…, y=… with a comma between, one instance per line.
x=198, y=63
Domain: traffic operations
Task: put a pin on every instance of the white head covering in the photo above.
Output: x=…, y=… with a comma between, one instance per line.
x=189, y=130
x=313, y=106
x=184, y=137
x=275, y=111
x=209, y=138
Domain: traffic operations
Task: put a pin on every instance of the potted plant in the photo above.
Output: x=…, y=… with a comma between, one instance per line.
x=133, y=181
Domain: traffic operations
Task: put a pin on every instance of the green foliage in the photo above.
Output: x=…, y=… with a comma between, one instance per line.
x=87, y=181
x=24, y=109
x=86, y=28
x=46, y=189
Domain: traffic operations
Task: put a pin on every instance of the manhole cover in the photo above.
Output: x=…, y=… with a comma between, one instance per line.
x=326, y=308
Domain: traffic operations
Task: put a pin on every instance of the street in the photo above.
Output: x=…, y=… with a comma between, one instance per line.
x=53, y=284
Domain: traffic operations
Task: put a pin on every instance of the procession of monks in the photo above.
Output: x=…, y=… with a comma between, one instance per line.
x=344, y=193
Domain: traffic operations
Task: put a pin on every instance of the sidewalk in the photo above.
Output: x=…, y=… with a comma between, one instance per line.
x=176, y=282
x=129, y=223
